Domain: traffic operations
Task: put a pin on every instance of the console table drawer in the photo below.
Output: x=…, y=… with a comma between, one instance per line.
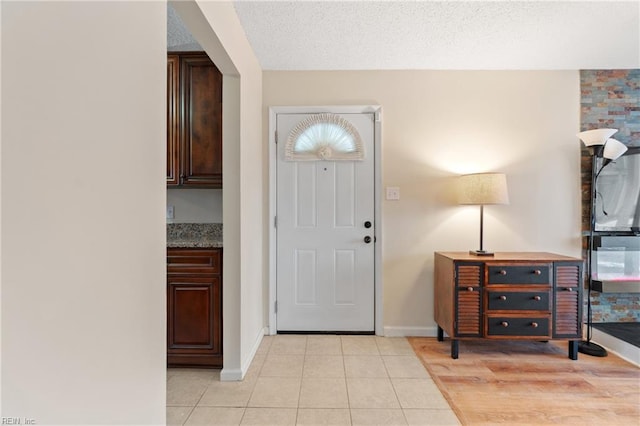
x=518, y=300
x=518, y=326
x=520, y=274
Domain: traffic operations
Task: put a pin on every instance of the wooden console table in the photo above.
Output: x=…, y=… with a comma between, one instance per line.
x=511, y=295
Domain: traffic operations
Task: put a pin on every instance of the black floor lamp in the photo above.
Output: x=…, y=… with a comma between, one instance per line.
x=600, y=144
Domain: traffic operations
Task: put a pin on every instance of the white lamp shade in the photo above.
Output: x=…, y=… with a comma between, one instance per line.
x=596, y=136
x=483, y=188
x=613, y=149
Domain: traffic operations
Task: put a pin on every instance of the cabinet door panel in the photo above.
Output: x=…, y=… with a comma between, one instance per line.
x=202, y=122
x=173, y=119
x=567, y=310
x=469, y=317
x=468, y=300
x=194, y=317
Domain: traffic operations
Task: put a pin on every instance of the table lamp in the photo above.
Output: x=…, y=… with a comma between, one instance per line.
x=481, y=189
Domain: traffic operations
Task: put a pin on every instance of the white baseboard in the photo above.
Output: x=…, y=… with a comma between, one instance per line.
x=393, y=331
x=231, y=374
x=619, y=347
x=237, y=374
x=254, y=349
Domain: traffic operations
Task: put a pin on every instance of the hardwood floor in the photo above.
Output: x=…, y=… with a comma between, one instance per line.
x=531, y=383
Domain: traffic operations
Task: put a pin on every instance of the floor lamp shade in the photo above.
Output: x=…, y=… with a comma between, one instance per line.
x=481, y=189
x=613, y=149
x=596, y=136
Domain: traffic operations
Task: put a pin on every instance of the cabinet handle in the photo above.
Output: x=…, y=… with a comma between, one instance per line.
x=537, y=272
x=534, y=324
x=503, y=297
x=536, y=297
x=503, y=272
x=504, y=324
x=569, y=289
x=469, y=288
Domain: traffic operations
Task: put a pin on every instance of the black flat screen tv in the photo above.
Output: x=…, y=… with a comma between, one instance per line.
x=617, y=208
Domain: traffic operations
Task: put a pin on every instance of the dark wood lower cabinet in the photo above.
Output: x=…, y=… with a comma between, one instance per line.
x=194, y=307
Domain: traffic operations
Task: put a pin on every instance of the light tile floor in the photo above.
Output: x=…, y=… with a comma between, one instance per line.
x=314, y=380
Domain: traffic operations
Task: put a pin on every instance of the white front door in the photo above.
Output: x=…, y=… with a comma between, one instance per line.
x=325, y=234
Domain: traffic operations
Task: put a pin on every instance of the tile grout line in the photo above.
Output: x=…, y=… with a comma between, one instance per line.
x=404, y=414
x=346, y=385
x=188, y=415
x=253, y=388
x=304, y=357
x=395, y=391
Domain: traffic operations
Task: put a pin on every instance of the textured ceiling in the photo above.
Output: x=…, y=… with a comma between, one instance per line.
x=178, y=36
x=368, y=35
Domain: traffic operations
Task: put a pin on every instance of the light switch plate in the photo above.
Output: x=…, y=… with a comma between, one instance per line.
x=393, y=193
x=170, y=212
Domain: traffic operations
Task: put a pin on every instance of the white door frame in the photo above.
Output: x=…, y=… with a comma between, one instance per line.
x=377, y=166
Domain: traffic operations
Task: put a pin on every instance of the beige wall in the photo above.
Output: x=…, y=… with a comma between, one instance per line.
x=437, y=125
x=83, y=200
x=217, y=29
x=244, y=162
x=196, y=205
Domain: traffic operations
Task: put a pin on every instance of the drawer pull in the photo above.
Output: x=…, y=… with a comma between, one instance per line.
x=469, y=288
x=503, y=297
x=537, y=272
x=502, y=272
x=536, y=297
x=534, y=324
x=504, y=324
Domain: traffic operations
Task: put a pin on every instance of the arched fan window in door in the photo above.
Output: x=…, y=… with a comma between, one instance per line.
x=324, y=137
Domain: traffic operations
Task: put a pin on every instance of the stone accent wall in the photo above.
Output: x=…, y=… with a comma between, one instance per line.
x=614, y=307
x=609, y=98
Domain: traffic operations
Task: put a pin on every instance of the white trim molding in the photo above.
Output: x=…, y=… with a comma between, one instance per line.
x=237, y=374
x=624, y=350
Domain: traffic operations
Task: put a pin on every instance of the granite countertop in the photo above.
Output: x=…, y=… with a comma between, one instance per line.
x=194, y=235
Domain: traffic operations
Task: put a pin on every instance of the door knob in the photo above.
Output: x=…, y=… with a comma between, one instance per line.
x=367, y=239
x=367, y=224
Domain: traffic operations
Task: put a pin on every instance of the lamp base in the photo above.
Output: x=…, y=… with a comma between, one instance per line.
x=481, y=253
x=591, y=348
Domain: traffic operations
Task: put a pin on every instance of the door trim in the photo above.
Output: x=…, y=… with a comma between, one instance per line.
x=377, y=167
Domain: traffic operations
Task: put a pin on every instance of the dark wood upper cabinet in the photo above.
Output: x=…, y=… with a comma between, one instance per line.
x=173, y=120
x=196, y=120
